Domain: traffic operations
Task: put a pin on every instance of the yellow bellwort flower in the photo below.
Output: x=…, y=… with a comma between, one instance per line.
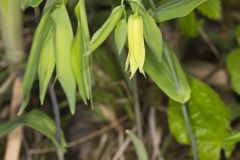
x=136, y=54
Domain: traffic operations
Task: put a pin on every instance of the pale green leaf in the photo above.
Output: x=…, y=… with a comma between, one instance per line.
x=63, y=37
x=36, y=120
x=101, y=34
x=33, y=60
x=233, y=67
x=121, y=35
x=176, y=9
x=153, y=36
x=138, y=145
x=209, y=119
x=211, y=8
x=80, y=63
x=168, y=75
x=46, y=64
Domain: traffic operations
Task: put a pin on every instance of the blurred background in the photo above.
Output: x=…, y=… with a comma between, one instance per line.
x=201, y=40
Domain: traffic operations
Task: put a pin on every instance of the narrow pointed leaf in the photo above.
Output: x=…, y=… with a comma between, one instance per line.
x=63, y=38
x=32, y=64
x=121, y=35
x=100, y=36
x=46, y=64
x=153, y=36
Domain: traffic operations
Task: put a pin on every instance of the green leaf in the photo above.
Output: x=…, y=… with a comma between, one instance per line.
x=233, y=66
x=139, y=146
x=238, y=34
x=36, y=120
x=153, y=36
x=33, y=60
x=176, y=9
x=80, y=63
x=104, y=31
x=30, y=3
x=168, y=75
x=209, y=119
x=46, y=64
x=211, y=8
x=63, y=37
x=189, y=25
x=121, y=35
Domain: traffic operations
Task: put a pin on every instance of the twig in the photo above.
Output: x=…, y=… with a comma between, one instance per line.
x=155, y=134
x=137, y=107
x=57, y=118
x=210, y=44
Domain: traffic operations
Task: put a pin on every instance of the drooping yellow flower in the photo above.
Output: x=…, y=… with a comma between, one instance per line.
x=136, y=54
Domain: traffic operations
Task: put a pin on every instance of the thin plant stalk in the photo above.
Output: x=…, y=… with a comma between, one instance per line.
x=57, y=118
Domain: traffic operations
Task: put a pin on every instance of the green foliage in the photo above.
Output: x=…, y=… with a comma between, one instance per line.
x=233, y=66
x=176, y=9
x=121, y=35
x=36, y=120
x=104, y=31
x=189, y=25
x=33, y=60
x=138, y=145
x=211, y=8
x=168, y=75
x=46, y=64
x=209, y=118
x=238, y=34
x=30, y=3
x=80, y=63
x=63, y=37
x=153, y=36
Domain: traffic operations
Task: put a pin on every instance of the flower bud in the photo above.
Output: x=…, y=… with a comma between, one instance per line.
x=136, y=54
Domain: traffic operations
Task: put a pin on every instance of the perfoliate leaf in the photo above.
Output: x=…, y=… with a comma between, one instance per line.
x=121, y=35
x=176, y=9
x=168, y=75
x=36, y=120
x=153, y=36
x=211, y=8
x=189, y=25
x=46, y=64
x=33, y=60
x=63, y=37
x=138, y=145
x=104, y=31
x=30, y=3
x=233, y=66
x=209, y=119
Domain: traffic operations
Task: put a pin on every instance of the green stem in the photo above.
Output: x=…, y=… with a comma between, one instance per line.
x=184, y=110
x=57, y=119
x=190, y=132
